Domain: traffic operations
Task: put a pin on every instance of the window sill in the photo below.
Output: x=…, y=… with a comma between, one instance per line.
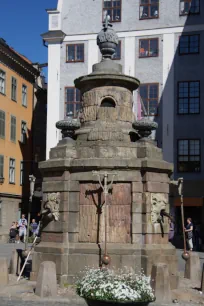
x=145, y=18
x=26, y=106
x=183, y=54
x=75, y=62
x=189, y=13
x=148, y=56
x=13, y=141
x=2, y=137
x=3, y=94
x=183, y=114
x=14, y=100
x=12, y=183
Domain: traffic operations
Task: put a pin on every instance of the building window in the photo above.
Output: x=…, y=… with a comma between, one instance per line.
x=112, y=8
x=189, y=97
x=23, y=131
x=149, y=9
x=117, y=54
x=13, y=129
x=1, y=166
x=149, y=47
x=189, y=44
x=13, y=89
x=189, y=7
x=22, y=173
x=2, y=82
x=72, y=101
x=189, y=155
x=2, y=124
x=75, y=53
x=12, y=164
x=24, y=95
x=150, y=97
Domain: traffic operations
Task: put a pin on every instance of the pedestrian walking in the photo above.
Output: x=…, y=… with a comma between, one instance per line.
x=189, y=233
x=22, y=223
x=33, y=227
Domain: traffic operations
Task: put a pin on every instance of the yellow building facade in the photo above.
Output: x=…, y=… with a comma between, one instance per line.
x=17, y=80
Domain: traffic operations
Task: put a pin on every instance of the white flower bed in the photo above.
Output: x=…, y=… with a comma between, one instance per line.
x=105, y=284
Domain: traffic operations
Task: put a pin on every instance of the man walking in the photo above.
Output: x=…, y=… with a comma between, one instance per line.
x=22, y=223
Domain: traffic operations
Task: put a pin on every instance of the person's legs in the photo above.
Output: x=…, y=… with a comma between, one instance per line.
x=190, y=244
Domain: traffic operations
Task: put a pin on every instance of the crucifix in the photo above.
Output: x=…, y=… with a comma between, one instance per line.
x=105, y=187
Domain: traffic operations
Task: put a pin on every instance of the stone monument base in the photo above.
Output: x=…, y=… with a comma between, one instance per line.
x=71, y=260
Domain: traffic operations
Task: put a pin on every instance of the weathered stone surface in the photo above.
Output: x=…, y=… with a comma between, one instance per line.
x=137, y=187
x=155, y=177
x=160, y=282
x=4, y=276
x=192, y=267
x=73, y=224
x=74, y=201
x=46, y=285
x=15, y=262
x=157, y=165
x=174, y=280
x=151, y=152
x=156, y=187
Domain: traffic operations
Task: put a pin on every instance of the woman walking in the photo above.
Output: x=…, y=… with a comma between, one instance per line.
x=189, y=233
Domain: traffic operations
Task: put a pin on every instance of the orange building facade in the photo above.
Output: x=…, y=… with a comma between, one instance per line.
x=17, y=81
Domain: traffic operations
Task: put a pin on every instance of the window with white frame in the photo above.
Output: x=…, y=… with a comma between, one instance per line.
x=2, y=82
x=13, y=89
x=12, y=169
x=24, y=95
x=13, y=129
x=2, y=124
x=23, y=131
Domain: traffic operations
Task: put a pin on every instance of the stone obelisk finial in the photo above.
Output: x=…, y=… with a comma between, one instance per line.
x=107, y=39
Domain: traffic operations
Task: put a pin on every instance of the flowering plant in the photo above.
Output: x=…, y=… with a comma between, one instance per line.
x=106, y=285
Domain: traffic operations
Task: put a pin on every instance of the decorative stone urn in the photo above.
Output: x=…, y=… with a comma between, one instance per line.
x=109, y=141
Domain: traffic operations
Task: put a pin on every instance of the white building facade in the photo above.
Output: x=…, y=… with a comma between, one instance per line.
x=161, y=43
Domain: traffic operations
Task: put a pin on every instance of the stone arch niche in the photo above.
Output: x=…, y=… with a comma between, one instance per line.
x=108, y=102
x=107, y=110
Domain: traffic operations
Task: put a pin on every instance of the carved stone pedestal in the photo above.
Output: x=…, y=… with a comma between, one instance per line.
x=107, y=140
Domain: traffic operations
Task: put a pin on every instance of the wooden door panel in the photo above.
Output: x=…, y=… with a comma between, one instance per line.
x=92, y=218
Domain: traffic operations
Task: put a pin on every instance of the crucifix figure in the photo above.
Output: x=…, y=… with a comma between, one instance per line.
x=105, y=187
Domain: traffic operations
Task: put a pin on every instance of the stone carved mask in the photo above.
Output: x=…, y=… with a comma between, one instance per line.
x=51, y=206
x=158, y=202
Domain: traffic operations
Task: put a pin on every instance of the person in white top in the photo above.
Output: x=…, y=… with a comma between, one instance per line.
x=22, y=223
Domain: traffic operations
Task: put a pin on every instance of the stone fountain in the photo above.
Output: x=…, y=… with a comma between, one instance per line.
x=107, y=140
